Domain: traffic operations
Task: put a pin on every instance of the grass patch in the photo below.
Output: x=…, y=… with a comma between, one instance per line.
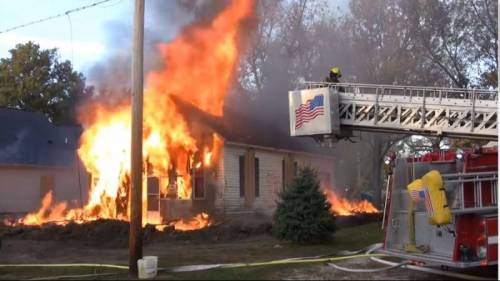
x=11, y=273
x=351, y=238
x=252, y=273
x=257, y=249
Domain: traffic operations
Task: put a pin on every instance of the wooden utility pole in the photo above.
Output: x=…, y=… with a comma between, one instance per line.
x=135, y=242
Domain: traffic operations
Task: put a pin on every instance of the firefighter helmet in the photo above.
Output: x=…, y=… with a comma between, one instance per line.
x=336, y=70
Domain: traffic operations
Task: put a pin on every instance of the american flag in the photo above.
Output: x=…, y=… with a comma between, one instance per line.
x=423, y=194
x=309, y=111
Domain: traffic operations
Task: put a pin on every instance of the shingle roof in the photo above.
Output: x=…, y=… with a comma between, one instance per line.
x=236, y=127
x=28, y=138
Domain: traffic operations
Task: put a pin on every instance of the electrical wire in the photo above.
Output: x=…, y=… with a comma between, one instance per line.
x=54, y=16
x=112, y=5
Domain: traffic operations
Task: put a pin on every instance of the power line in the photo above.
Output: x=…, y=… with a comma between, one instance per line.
x=55, y=16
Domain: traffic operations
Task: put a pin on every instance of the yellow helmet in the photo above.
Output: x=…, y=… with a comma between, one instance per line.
x=335, y=70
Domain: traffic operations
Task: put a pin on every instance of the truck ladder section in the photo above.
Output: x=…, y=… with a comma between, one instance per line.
x=463, y=113
x=481, y=190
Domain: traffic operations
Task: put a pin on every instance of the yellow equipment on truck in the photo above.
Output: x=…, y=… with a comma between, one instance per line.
x=429, y=190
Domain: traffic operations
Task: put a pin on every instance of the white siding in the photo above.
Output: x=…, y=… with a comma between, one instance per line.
x=233, y=203
x=20, y=187
x=219, y=183
x=270, y=176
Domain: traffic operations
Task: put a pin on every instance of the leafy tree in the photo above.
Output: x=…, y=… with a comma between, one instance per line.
x=35, y=80
x=458, y=37
x=303, y=213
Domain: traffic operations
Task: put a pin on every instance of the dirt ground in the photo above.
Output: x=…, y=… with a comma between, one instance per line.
x=107, y=243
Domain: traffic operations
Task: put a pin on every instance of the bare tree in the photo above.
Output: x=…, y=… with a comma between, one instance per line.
x=251, y=74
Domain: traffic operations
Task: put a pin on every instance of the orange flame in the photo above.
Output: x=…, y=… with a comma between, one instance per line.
x=208, y=159
x=344, y=207
x=200, y=65
x=46, y=212
x=199, y=221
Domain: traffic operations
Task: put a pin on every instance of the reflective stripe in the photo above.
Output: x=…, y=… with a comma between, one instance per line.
x=492, y=240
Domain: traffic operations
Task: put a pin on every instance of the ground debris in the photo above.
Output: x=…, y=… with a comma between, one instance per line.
x=114, y=233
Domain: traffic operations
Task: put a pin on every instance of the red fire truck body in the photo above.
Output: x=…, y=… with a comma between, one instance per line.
x=470, y=179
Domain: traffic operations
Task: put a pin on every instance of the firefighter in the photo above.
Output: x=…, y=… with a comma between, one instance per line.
x=389, y=163
x=334, y=76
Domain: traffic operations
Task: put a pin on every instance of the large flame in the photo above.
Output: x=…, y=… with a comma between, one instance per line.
x=199, y=67
x=344, y=207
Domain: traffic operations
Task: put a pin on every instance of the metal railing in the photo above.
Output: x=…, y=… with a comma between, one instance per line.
x=442, y=112
x=406, y=91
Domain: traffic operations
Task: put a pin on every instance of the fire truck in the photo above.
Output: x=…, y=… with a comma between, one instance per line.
x=468, y=177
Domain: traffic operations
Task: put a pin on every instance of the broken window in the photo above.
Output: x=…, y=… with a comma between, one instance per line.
x=153, y=186
x=199, y=184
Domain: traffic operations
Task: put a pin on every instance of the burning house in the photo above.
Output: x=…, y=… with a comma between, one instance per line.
x=243, y=176
x=40, y=172
x=197, y=165
x=246, y=179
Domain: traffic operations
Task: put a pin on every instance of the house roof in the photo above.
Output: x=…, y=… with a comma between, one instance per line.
x=238, y=128
x=28, y=138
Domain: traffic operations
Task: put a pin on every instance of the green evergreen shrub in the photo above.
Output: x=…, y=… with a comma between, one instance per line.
x=303, y=212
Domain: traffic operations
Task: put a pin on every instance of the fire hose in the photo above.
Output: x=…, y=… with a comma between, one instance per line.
x=406, y=265
x=189, y=268
x=367, y=252
x=89, y=265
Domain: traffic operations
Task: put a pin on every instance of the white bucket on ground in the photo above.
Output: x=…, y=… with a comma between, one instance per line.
x=147, y=267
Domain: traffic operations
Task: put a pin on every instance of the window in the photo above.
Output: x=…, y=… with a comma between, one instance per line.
x=242, y=176
x=153, y=187
x=199, y=185
x=257, y=181
x=283, y=175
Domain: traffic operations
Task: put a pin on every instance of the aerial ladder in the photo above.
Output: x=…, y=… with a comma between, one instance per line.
x=432, y=111
x=466, y=180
